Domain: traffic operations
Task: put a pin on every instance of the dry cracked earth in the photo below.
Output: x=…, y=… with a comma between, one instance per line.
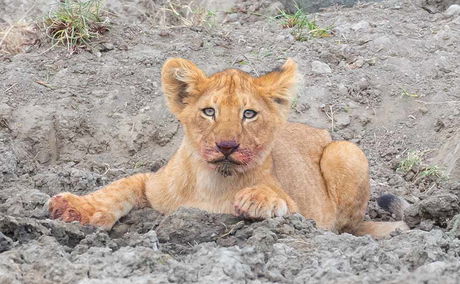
x=387, y=79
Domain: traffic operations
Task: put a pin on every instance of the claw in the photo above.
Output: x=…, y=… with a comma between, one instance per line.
x=71, y=215
x=62, y=208
x=57, y=206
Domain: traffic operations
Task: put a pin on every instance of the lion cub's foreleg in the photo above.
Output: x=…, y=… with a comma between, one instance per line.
x=263, y=201
x=101, y=208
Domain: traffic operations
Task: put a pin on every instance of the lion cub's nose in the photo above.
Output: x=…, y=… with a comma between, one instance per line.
x=227, y=147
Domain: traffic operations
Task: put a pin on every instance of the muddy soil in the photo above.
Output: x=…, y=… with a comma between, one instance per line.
x=388, y=79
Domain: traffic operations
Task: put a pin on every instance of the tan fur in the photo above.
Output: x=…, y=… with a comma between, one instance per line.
x=278, y=168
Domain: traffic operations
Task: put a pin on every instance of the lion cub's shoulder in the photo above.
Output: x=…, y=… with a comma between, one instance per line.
x=301, y=138
x=303, y=133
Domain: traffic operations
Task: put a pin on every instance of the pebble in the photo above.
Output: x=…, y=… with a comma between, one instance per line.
x=363, y=84
x=274, y=9
x=361, y=26
x=279, y=38
x=382, y=43
x=106, y=46
x=423, y=109
x=453, y=10
x=426, y=225
x=246, y=68
x=357, y=64
x=232, y=18
x=343, y=90
x=319, y=67
x=454, y=226
x=439, y=125
x=444, y=34
x=342, y=120
x=371, y=61
x=5, y=110
x=456, y=20
x=5, y=243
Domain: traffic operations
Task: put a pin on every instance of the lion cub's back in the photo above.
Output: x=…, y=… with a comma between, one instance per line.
x=296, y=155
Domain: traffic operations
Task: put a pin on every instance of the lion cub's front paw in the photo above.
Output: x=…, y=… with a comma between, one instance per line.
x=259, y=203
x=69, y=207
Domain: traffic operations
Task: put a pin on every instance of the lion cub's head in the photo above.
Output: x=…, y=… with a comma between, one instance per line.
x=230, y=118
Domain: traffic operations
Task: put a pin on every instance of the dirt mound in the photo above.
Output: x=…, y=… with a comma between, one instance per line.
x=195, y=246
x=387, y=79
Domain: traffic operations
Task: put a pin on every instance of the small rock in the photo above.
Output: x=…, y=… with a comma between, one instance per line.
x=382, y=43
x=164, y=33
x=423, y=109
x=444, y=34
x=279, y=38
x=106, y=46
x=144, y=109
x=231, y=18
x=5, y=243
x=363, y=84
x=43, y=157
x=371, y=61
x=361, y=26
x=346, y=134
x=352, y=105
x=119, y=230
x=301, y=107
x=439, y=125
x=196, y=44
x=319, y=67
x=246, y=68
x=148, y=240
x=8, y=162
x=364, y=119
x=357, y=64
x=274, y=9
x=342, y=89
x=426, y=225
x=456, y=21
x=412, y=216
x=410, y=175
x=454, y=226
x=5, y=110
x=453, y=10
x=342, y=120
x=440, y=207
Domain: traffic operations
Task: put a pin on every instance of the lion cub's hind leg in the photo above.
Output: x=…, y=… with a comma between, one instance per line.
x=346, y=173
x=345, y=170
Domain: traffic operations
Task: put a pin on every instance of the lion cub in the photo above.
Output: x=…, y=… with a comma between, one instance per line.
x=240, y=156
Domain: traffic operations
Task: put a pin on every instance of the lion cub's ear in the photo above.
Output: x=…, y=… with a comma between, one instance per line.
x=280, y=84
x=182, y=83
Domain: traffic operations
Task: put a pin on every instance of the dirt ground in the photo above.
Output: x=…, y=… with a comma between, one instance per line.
x=388, y=79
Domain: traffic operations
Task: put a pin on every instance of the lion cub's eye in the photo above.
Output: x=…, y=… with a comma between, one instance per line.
x=209, y=111
x=249, y=113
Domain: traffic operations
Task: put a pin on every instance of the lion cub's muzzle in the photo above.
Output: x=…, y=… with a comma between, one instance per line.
x=227, y=148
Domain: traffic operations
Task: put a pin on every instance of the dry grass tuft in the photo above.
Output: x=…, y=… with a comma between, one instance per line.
x=75, y=23
x=177, y=13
